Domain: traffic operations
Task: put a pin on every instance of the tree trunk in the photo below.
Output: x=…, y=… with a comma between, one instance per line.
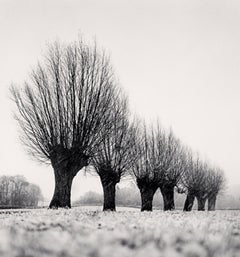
x=147, y=194
x=212, y=203
x=189, y=202
x=66, y=166
x=109, y=180
x=109, y=192
x=201, y=203
x=168, y=197
x=62, y=192
x=147, y=190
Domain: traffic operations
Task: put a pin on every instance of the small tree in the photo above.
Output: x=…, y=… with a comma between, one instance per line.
x=34, y=195
x=113, y=158
x=216, y=184
x=171, y=160
x=64, y=109
x=19, y=191
x=5, y=190
x=201, y=181
x=195, y=182
x=145, y=168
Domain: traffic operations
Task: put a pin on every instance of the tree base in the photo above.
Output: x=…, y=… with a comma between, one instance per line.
x=66, y=164
x=109, y=179
x=147, y=191
x=201, y=203
x=62, y=192
x=189, y=202
x=109, y=192
x=168, y=198
x=212, y=203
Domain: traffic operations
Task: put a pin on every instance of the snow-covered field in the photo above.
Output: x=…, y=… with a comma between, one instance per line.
x=86, y=231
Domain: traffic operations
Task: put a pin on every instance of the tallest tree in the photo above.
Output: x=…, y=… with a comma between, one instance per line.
x=64, y=109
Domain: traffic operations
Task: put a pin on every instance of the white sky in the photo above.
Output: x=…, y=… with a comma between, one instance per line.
x=178, y=60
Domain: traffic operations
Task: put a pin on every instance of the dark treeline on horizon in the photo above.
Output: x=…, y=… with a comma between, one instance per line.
x=16, y=191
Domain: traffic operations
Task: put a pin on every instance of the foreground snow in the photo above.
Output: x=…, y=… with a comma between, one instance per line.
x=89, y=232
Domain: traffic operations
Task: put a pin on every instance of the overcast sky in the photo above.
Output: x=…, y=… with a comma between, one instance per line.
x=178, y=61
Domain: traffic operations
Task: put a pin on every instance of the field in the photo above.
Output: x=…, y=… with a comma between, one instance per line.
x=86, y=231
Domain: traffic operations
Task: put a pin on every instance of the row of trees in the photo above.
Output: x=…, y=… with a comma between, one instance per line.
x=15, y=191
x=128, y=195
x=163, y=162
x=73, y=114
x=203, y=182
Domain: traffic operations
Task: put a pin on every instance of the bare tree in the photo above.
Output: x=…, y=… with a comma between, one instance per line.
x=195, y=182
x=19, y=190
x=34, y=195
x=171, y=164
x=113, y=158
x=201, y=181
x=216, y=184
x=165, y=156
x=64, y=109
x=146, y=167
x=5, y=190
x=16, y=191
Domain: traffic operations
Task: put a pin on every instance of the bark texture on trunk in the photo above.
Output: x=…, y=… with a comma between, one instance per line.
x=168, y=197
x=147, y=191
x=62, y=192
x=189, y=202
x=201, y=203
x=147, y=199
x=109, y=179
x=66, y=165
x=212, y=203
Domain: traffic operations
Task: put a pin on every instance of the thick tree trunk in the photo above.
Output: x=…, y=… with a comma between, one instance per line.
x=147, y=190
x=109, y=179
x=147, y=195
x=189, y=202
x=212, y=203
x=109, y=192
x=168, y=197
x=201, y=203
x=62, y=192
x=66, y=165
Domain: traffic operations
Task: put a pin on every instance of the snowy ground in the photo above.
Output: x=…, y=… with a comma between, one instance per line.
x=86, y=231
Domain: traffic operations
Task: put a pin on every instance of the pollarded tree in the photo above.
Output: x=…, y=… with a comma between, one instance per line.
x=146, y=167
x=113, y=158
x=203, y=182
x=195, y=182
x=216, y=184
x=171, y=164
x=63, y=110
x=203, y=188
x=202, y=195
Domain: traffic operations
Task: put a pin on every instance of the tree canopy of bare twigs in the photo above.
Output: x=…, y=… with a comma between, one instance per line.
x=71, y=112
x=216, y=185
x=64, y=109
x=202, y=181
x=146, y=167
x=161, y=163
x=113, y=159
x=171, y=164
